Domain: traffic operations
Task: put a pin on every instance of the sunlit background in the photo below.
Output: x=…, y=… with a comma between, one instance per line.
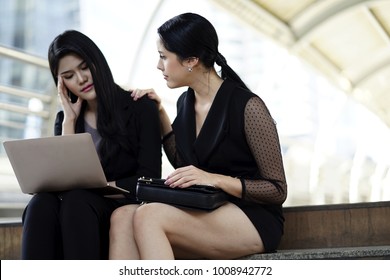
x=335, y=150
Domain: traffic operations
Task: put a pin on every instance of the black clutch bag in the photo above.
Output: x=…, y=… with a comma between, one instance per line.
x=201, y=197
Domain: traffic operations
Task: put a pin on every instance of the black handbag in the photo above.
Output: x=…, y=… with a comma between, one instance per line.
x=201, y=197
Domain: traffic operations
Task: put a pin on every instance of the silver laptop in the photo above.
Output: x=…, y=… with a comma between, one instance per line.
x=58, y=163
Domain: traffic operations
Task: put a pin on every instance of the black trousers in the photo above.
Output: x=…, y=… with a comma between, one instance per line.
x=71, y=225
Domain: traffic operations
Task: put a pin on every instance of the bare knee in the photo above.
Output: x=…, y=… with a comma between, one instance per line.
x=148, y=216
x=122, y=217
x=118, y=215
x=122, y=245
x=122, y=213
x=145, y=213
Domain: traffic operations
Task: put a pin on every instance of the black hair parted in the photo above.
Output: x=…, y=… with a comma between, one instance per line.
x=191, y=35
x=72, y=41
x=107, y=91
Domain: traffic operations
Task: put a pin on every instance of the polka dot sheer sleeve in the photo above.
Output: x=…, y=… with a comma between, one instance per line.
x=169, y=144
x=263, y=140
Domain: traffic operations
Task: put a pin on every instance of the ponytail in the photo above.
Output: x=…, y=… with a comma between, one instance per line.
x=227, y=71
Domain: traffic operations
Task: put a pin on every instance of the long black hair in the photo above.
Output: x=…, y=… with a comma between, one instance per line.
x=109, y=125
x=191, y=35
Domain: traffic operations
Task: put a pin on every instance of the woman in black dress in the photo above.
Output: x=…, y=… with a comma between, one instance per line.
x=223, y=135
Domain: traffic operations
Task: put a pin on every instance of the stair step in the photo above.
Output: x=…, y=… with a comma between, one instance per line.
x=343, y=253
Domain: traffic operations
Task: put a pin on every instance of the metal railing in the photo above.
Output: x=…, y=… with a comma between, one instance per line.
x=23, y=56
x=28, y=106
x=14, y=99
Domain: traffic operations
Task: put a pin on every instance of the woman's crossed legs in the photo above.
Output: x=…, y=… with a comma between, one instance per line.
x=161, y=231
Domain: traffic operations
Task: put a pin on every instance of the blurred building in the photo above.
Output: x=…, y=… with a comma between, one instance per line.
x=26, y=86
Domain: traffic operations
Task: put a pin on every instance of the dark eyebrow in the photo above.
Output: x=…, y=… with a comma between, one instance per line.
x=67, y=71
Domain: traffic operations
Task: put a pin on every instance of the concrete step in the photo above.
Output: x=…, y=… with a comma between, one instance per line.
x=342, y=253
x=336, y=226
x=10, y=238
x=344, y=231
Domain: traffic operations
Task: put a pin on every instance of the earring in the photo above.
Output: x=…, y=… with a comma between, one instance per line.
x=189, y=69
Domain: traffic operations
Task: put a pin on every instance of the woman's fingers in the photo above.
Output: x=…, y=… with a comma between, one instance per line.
x=71, y=110
x=61, y=91
x=138, y=93
x=187, y=176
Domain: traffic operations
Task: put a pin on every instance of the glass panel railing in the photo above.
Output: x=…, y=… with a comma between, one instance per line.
x=27, y=106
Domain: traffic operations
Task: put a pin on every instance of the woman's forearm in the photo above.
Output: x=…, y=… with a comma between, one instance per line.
x=165, y=122
x=68, y=127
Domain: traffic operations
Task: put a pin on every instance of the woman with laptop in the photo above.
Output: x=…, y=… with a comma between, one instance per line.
x=75, y=224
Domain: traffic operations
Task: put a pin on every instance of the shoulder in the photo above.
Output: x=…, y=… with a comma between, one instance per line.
x=256, y=109
x=141, y=105
x=255, y=103
x=240, y=92
x=238, y=95
x=244, y=100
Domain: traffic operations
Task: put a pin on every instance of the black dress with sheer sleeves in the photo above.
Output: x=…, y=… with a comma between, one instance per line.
x=239, y=139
